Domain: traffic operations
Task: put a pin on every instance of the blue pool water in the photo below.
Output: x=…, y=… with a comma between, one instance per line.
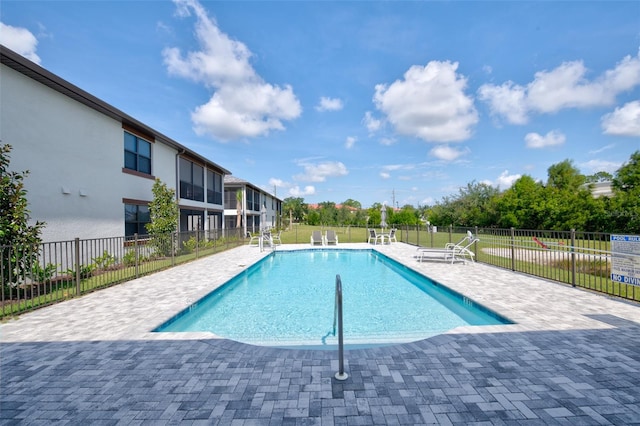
x=288, y=299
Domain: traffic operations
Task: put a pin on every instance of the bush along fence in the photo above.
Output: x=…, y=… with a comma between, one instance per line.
x=580, y=259
x=32, y=277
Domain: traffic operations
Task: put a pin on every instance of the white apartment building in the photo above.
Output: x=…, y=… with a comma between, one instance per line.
x=92, y=167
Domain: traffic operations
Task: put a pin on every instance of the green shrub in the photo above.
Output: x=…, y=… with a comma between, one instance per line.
x=104, y=261
x=42, y=274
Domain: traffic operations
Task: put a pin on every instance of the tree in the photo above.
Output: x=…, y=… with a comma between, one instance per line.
x=626, y=199
x=238, y=208
x=164, y=213
x=19, y=241
x=296, y=207
x=352, y=203
x=599, y=177
x=522, y=205
x=328, y=213
x=406, y=216
x=565, y=176
x=628, y=176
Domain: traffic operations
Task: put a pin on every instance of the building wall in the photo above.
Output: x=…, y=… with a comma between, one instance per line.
x=75, y=156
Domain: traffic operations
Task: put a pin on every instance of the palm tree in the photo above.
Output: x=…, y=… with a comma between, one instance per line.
x=239, y=208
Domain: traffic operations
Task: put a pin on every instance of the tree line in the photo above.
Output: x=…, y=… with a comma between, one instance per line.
x=565, y=201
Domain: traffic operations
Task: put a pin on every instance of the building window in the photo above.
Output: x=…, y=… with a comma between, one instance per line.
x=135, y=218
x=230, y=200
x=137, y=154
x=191, y=220
x=256, y=201
x=191, y=181
x=214, y=187
x=249, y=199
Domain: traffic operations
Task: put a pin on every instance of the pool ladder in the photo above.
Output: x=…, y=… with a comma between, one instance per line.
x=337, y=317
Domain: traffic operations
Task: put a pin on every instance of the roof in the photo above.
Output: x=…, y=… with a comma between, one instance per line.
x=30, y=69
x=231, y=181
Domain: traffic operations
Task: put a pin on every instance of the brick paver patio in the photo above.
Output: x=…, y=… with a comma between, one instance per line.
x=573, y=357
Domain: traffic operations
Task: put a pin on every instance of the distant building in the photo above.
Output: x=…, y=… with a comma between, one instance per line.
x=601, y=189
x=253, y=199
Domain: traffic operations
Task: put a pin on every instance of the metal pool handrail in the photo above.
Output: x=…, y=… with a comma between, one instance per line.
x=337, y=315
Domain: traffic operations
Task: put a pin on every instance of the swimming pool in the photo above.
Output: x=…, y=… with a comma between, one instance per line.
x=287, y=299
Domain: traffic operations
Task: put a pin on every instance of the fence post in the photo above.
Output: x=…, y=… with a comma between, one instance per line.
x=450, y=233
x=475, y=245
x=173, y=242
x=513, y=249
x=197, y=243
x=430, y=234
x=573, y=257
x=135, y=242
x=77, y=261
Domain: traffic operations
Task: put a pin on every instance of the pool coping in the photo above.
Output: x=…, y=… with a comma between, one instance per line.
x=113, y=314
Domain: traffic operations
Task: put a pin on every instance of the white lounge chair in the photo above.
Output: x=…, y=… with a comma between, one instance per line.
x=455, y=252
x=374, y=237
x=276, y=238
x=316, y=238
x=254, y=239
x=331, y=237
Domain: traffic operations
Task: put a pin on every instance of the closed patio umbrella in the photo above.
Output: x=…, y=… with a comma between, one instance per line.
x=263, y=224
x=383, y=216
x=263, y=218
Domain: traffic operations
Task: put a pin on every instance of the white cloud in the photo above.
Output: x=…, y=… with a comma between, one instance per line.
x=387, y=141
x=372, y=124
x=566, y=86
x=623, y=121
x=428, y=201
x=429, y=103
x=385, y=175
x=395, y=167
x=243, y=104
x=321, y=171
x=329, y=104
x=277, y=182
x=20, y=40
x=297, y=192
x=505, y=180
x=508, y=100
x=604, y=148
x=535, y=140
x=594, y=166
x=446, y=153
x=350, y=142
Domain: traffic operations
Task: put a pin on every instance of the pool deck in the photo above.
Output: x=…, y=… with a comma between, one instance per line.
x=573, y=357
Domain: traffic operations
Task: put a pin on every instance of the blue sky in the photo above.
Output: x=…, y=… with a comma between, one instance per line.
x=373, y=101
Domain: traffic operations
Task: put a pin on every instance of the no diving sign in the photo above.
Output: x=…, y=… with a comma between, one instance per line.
x=625, y=259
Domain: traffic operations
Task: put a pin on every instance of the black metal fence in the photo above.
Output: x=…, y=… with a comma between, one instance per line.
x=580, y=259
x=38, y=276
x=32, y=277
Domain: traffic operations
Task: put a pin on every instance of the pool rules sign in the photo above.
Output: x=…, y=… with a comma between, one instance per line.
x=625, y=259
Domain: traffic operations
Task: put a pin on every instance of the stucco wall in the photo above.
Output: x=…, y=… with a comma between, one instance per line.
x=75, y=156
